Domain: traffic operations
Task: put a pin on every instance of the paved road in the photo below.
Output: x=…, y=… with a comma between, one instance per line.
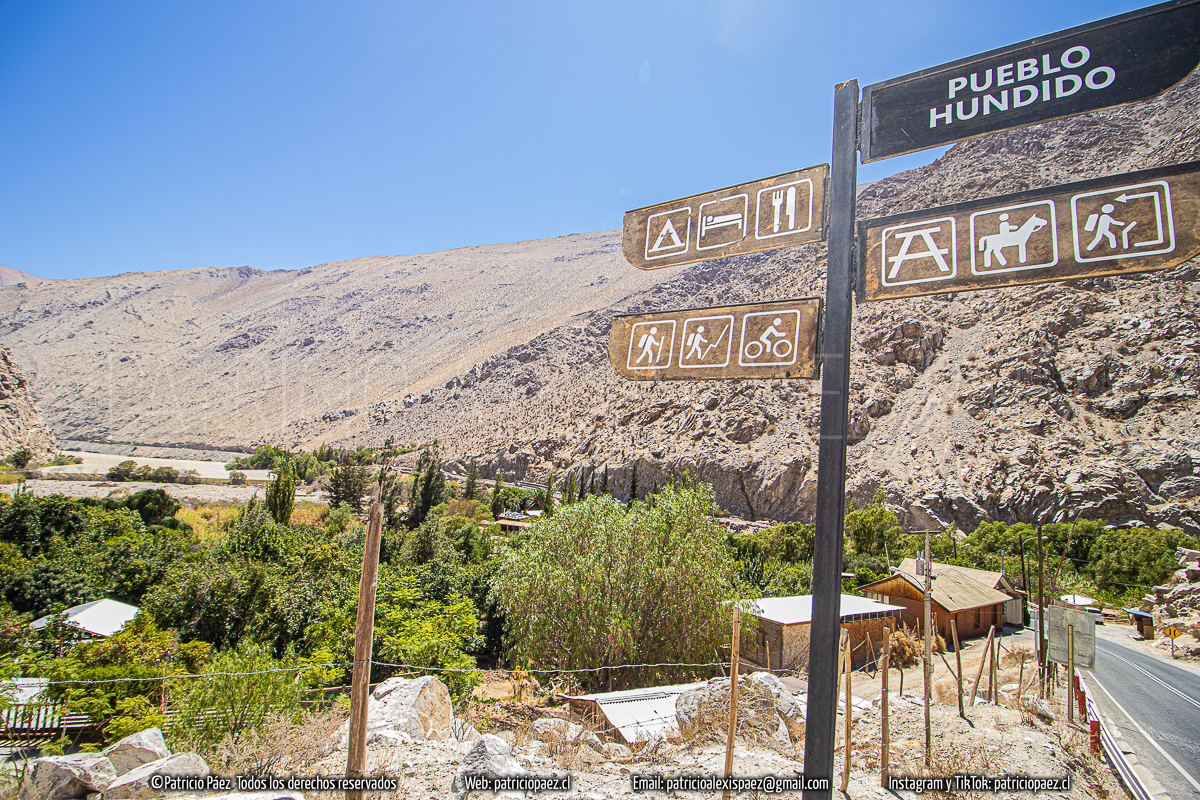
x=1163, y=700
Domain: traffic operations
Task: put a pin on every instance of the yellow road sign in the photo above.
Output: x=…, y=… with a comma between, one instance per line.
x=1173, y=632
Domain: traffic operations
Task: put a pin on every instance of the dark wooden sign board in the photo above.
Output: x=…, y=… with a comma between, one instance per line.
x=1117, y=60
x=1123, y=224
x=755, y=340
x=769, y=214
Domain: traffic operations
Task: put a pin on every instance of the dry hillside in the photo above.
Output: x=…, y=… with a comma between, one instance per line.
x=1030, y=403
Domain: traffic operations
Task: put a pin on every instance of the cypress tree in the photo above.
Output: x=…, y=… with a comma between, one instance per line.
x=497, y=489
x=548, y=504
x=604, y=481
x=281, y=493
x=472, y=485
x=569, y=491
x=633, y=487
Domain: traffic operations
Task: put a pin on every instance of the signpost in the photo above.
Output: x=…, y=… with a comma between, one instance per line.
x=1136, y=222
x=1117, y=60
x=1061, y=621
x=758, y=340
x=780, y=211
x=1174, y=633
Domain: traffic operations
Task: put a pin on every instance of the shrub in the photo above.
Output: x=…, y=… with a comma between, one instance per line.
x=598, y=585
x=122, y=472
x=237, y=478
x=165, y=475
x=20, y=458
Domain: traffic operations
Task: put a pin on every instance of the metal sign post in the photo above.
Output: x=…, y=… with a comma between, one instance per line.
x=831, y=454
x=1123, y=224
x=768, y=214
x=1117, y=60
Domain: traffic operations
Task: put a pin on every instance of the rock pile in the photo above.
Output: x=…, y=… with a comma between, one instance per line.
x=122, y=771
x=1177, y=602
x=766, y=712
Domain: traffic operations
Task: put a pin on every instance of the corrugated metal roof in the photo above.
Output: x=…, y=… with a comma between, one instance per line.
x=951, y=590
x=640, y=713
x=99, y=617
x=986, y=577
x=797, y=610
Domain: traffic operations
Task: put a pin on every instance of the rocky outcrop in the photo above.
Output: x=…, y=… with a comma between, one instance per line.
x=403, y=710
x=137, y=784
x=767, y=712
x=67, y=777
x=489, y=757
x=136, y=749
x=21, y=424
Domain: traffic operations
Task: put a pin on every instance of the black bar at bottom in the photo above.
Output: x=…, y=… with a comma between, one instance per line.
x=831, y=453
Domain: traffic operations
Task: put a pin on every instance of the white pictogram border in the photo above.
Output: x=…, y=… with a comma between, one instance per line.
x=923, y=223
x=745, y=220
x=728, y=344
x=1169, y=232
x=758, y=209
x=795, y=338
x=976, y=260
x=669, y=347
x=687, y=237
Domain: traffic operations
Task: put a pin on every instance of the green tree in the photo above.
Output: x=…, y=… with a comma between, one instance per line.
x=472, y=485
x=604, y=481
x=498, y=495
x=237, y=478
x=569, y=490
x=348, y=484
x=1140, y=557
x=633, y=486
x=165, y=475
x=20, y=458
x=601, y=585
x=428, y=488
x=873, y=530
x=122, y=472
x=281, y=493
x=548, y=498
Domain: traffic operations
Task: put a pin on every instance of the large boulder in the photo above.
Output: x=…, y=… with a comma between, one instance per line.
x=703, y=713
x=490, y=757
x=136, y=749
x=786, y=705
x=67, y=777
x=404, y=709
x=137, y=784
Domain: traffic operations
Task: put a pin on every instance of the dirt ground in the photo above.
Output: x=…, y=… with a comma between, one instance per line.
x=195, y=494
x=992, y=740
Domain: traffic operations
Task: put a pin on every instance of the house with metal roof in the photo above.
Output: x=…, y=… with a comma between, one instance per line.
x=98, y=619
x=781, y=637
x=973, y=606
x=1014, y=610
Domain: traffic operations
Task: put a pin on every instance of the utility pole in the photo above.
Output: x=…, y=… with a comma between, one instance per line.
x=928, y=648
x=1041, y=617
x=733, y=693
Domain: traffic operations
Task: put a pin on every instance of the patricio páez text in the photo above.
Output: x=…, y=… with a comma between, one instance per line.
x=1060, y=78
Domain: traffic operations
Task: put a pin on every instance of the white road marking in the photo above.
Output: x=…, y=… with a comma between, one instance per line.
x=1189, y=698
x=1149, y=738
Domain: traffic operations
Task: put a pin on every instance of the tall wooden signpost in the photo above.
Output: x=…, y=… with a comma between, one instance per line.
x=1130, y=223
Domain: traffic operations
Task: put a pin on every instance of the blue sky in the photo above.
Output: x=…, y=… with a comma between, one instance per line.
x=166, y=135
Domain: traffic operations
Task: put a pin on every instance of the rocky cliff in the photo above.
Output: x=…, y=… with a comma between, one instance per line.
x=21, y=424
x=1034, y=403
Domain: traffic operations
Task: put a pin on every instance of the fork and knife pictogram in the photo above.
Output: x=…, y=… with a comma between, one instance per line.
x=777, y=200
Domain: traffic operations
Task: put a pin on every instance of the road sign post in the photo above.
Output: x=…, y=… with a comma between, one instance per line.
x=1136, y=222
x=768, y=214
x=1173, y=633
x=756, y=340
x=1107, y=63
x=831, y=449
x=1069, y=628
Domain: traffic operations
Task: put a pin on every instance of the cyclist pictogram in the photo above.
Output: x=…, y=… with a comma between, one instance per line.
x=769, y=338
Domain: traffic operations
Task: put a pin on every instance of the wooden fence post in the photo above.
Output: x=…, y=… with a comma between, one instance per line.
x=958, y=659
x=982, y=663
x=849, y=719
x=733, y=693
x=364, y=632
x=885, y=750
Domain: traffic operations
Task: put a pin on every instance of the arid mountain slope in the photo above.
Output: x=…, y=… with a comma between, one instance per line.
x=11, y=277
x=1034, y=403
x=21, y=425
x=1031, y=403
x=229, y=356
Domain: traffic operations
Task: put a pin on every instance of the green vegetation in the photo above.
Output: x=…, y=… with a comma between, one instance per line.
x=598, y=584
x=20, y=458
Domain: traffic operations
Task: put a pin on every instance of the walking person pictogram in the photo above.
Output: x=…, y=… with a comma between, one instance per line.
x=648, y=343
x=1102, y=224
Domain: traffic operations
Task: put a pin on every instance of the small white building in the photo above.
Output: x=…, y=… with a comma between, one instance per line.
x=98, y=619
